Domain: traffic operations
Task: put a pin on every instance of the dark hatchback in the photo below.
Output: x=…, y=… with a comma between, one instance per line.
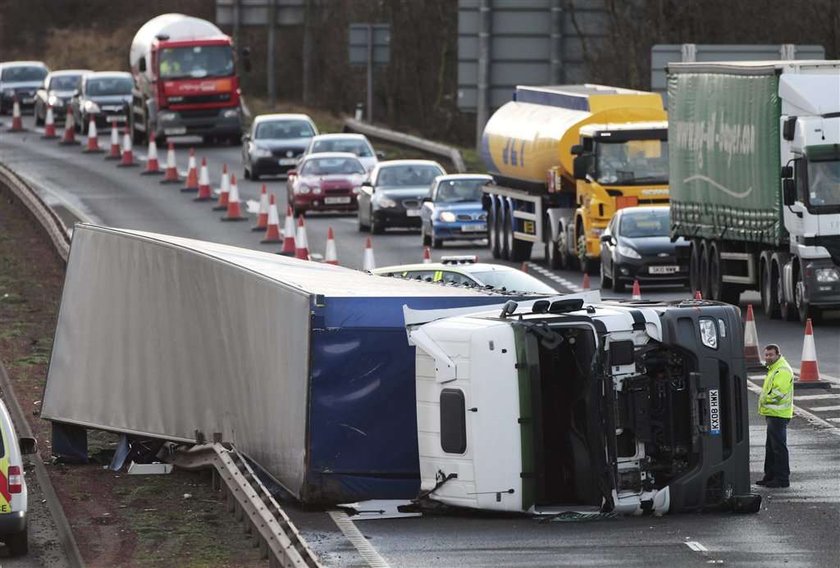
x=636, y=246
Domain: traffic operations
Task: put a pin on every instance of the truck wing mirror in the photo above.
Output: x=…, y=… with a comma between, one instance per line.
x=141, y=64
x=789, y=191
x=577, y=150
x=581, y=166
x=789, y=128
x=787, y=172
x=246, y=58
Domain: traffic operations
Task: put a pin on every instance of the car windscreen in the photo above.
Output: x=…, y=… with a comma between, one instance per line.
x=332, y=166
x=64, y=82
x=459, y=190
x=407, y=175
x=23, y=73
x=358, y=147
x=196, y=62
x=640, y=224
x=512, y=280
x=283, y=130
x=105, y=86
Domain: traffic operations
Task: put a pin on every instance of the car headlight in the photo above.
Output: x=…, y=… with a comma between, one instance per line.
x=316, y=190
x=303, y=189
x=168, y=116
x=708, y=333
x=91, y=107
x=262, y=152
x=447, y=216
x=9, y=93
x=55, y=101
x=357, y=189
x=231, y=113
x=629, y=252
x=387, y=202
x=825, y=275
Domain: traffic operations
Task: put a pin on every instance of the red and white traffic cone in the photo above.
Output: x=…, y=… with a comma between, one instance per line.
x=289, y=234
x=752, y=359
x=698, y=295
x=330, y=256
x=127, y=160
x=204, y=191
x=69, y=137
x=586, y=285
x=171, y=173
x=262, y=214
x=368, y=261
x=224, y=191
x=234, y=208
x=114, y=152
x=301, y=242
x=809, y=371
x=192, y=174
x=49, y=125
x=637, y=290
x=92, y=139
x=17, y=119
x=152, y=164
x=272, y=229
x=427, y=255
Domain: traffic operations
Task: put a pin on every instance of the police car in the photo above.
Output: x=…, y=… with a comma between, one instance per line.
x=13, y=496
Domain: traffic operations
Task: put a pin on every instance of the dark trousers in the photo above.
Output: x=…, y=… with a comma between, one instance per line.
x=776, y=460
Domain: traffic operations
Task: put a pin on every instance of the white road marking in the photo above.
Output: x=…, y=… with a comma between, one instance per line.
x=696, y=546
x=816, y=396
x=572, y=287
x=824, y=408
x=812, y=418
x=357, y=539
x=837, y=420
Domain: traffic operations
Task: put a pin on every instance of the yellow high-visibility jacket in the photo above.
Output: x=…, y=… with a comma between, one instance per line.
x=777, y=395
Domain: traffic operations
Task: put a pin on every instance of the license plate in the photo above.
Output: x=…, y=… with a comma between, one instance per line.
x=412, y=212
x=29, y=100
x=175, y=131
x=333, y=200
x=714, y=412
x=664, y=269
x=116, y=119
x=287, y=161
x=473, y=228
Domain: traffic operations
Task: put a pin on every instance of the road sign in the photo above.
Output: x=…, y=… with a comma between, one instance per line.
x=359, y=39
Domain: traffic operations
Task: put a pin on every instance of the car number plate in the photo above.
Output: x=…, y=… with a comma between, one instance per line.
x=473, y=228
x=175, y=131
x=664, y=269
x=333, y=200
x=714, y=412
x=115, y=118
x=412, y=212
x=287, y=161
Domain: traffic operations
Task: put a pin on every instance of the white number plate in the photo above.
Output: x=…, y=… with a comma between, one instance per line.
x=412, y=212
x=664, y=269
x=473, y=228
x=714, y=412
x=175, y=131
x=287, y=161
x=333, y=200
x=115, y=118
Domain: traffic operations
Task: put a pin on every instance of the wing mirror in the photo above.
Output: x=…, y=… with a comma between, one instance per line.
x=607, y=239
x=789, y=191
x=380, y=155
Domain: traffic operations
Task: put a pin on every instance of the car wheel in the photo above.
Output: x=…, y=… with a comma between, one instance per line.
x=18, y=543
x=427, y=240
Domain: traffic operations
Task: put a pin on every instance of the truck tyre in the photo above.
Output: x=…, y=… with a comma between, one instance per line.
x=520, y=251
x=769, y=290
x=704, y=271
x=493, y=236
x=586, y=265
x=803, y=307
x=694, y=268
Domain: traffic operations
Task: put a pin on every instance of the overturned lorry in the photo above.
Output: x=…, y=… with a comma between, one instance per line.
x=577, y=404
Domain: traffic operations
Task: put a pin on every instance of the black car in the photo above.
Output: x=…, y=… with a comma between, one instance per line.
x=105, y=96
x=20, y=79
x=57, y=90
x=394, y=194
x=275, y=144
x=636, y=246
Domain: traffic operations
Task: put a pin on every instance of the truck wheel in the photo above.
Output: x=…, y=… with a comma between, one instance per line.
x=803, y=307
x=18, y=543
x=493, y=219
x=694, y=268
x=714, y=274
x=769, y=291
x=584, y=263
x=704, y=271
x=520, y=251
x=504, y=234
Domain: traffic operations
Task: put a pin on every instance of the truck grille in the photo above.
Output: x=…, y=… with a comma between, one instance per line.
x=200, y=113
x=200, y=99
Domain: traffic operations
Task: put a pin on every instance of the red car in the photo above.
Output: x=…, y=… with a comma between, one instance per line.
x=327, y=181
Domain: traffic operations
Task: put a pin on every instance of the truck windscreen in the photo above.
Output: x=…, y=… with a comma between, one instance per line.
x=196, y=62
x=824, y=183
x=631, y=162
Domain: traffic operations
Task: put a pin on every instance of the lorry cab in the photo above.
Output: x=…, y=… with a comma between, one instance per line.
x=13, y=494
x=562, y=404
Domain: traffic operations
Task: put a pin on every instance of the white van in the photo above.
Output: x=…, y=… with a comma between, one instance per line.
x=13, y=496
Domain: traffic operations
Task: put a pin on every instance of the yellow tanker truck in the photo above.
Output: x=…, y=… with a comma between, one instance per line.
x=564, y=159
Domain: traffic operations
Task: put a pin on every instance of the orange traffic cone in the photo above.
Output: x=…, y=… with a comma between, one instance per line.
x=637, y=291
x=427, y=255
x=49, y=125
x=234, y=209
x=699, y=296
x=301, y=243
x=330, y=256
x=272, y=229
x=152, y=164
x=17, y=119
x=204, y=191
x=262, y=215
x=585, y=286
x=368, y=263
x=809, y=371
x=92, y=139
x=224, y=191
x=192, y=174
x=69, y=137
x=127, y=160
x=171, y=173
x=114, y=150
x=752, y=359
x=289, y=234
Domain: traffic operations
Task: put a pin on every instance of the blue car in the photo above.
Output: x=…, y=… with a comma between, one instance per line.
x=453, y=210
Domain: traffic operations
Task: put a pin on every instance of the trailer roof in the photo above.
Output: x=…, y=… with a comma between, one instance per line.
x=753, y=67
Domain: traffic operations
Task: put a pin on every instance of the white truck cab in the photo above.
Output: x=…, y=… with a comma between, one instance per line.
x=13, y=495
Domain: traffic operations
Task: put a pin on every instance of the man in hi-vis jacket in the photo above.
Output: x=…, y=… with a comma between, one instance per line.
x=776, y=405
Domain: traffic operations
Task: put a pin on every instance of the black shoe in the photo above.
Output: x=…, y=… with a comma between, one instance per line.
x=776, y=484
x=764, y=481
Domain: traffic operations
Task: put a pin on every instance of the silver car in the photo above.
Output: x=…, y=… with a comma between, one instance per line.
x=275, y=143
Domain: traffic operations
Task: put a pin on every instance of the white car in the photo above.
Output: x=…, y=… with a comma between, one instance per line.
x=13, y=496
x=354, y=143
